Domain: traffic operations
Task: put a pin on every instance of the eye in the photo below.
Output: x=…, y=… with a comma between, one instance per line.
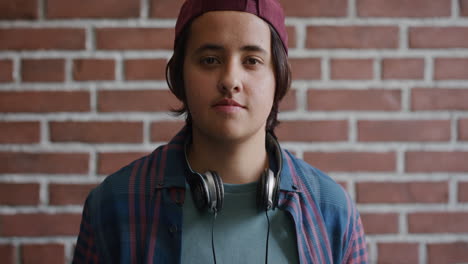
x=252, y=61
x=209, y=60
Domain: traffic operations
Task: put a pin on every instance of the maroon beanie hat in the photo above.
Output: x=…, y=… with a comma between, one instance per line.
x=269, y=10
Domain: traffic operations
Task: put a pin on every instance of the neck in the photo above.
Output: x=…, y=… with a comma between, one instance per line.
x=237, y=162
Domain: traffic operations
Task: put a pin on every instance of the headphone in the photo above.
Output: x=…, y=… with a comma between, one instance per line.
x=208, y=190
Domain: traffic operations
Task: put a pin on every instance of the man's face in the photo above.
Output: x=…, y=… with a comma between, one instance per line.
x=228, y=74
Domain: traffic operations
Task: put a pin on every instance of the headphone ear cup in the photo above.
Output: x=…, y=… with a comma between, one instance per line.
x=200, y=193
x=265, y=190
x=261, y=191
x=216, y=191
x=219, y=191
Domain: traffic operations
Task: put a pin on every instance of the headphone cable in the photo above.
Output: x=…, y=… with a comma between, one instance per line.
x=212, y=239
x=268, y=236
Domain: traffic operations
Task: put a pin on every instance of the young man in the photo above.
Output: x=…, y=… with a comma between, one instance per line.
x=222, y=189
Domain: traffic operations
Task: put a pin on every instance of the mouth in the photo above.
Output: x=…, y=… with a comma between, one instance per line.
x=226, y=102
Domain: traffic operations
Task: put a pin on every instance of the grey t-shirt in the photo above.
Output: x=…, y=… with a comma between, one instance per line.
x=240, y=231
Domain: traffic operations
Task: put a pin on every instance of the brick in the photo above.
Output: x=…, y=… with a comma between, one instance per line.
x=426, y=99
x=315, y=8
x=92, y=9
x=355, y=100
x=446, y=161
x=438, y=222
x=134, y=38
x=67, y=194
x=463, y=7
x=52, y=163
x=145, y=69
x=136, y=101
x=109, y=162
x=306, y=69
x=19, y=132
x=43, y=70
x=165, y=8
x=165, y=131
x=43, y=253
x=44, y=101
x=6, y=70
x=447, y=252
x=97, y=132
x=463, y=191
x=404, y=69
x=289, y=101
x=18, y=9
x=335, y=130
x=93, y=69
x=380, y=223
x=352, y=161
x=403, y=8
x=352, y=37
x=398, y=253
x=291, y=37
x=451, y=69
x=7, y=254
x=352, y=69
x=42, y=39
x=44, y=224
x=463, y=129
x=438, y=37
x=19, y=193
x=403, y=130
x=402, y=192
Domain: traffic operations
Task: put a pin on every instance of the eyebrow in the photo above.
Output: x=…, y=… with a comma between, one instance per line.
x=215, y=47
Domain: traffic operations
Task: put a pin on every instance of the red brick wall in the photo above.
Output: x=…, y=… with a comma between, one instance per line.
x=379, y=101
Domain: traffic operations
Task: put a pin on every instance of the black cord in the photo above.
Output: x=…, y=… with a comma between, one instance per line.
x=268, y=236
x=212, y=240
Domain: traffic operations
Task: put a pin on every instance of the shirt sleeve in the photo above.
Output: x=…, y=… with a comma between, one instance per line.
x=357, y=250
x=85, y=249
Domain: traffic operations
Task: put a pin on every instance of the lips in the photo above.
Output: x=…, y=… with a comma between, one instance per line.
x=227, y=102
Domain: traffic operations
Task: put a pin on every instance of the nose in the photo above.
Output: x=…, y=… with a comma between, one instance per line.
x=230, y=79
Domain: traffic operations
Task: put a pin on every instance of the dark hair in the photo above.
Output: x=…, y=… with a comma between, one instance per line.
x=281, y=70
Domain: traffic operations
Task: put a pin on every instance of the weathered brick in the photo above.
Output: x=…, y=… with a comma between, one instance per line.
x=352, y=69
x=403, y=8
x=419, y=161
x=333, y=130
x=438, y=37
x=315, y=8
x=356, y=100
x=7, y=254
x=43, y=253
x=463, y=129
x=65, y=194
x=306, y=69
x=404, y=130
x=398, y=253
x=6, y=70
x=463, y=7
x=402, y=192
x=136, y=101
x=44, y=101
x=42, y=39
x=447, y=252
x=352, y=161
x=134, y=38
x=291, y=37
x=451, y=69
x=352, y=37
x=427, y=99
x=19, y=193
x=438, y=222
x=380, y=223
x=403, y=68
x=19, y=132
x=109, y=162
x=53, y=163
x=97, y=132
x=43, y=70
x=164, y=131
x=145, y=69
x=165, y=8
x=92, y=9
x=463, y=191
x=44, y=224
x=93, y=69
x=289, y=102
x=18, y=9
